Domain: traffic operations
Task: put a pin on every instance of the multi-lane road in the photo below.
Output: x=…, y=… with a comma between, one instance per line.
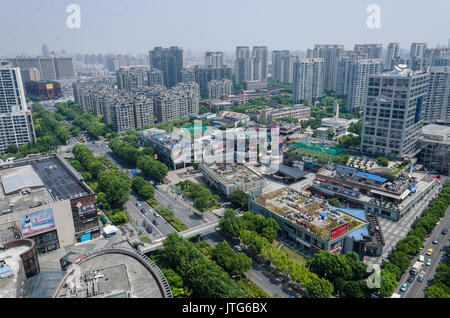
x=416, y=289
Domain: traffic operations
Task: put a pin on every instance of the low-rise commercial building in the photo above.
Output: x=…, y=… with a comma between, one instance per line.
x=230, y=177
x=387, y=196
x=300, y=112
x=312, y=224
x=48, y=202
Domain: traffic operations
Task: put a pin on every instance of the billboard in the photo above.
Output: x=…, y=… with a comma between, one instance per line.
x=340, y=230
x=49, y=86
x=37, y=222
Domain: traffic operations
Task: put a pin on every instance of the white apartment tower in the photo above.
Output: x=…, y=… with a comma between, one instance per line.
x=308, y=80
x=16, y=122
x=437, y=106
x=360, y=70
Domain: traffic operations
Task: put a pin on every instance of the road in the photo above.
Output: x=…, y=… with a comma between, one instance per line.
x=186, y=215
x=417, y=289
x=161, y=230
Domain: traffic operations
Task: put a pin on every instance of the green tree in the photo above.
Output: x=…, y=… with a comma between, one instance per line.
x=230, y=223
x=239, y=199
x=233, y=263
x=115, y=188
x=334, y=202
x=388, y=283
x=12, y=148
x=384, y=162
x=320, y=288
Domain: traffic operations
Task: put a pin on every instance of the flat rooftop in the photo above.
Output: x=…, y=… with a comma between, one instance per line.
x=232, y=173
x=314, y=214
x=114, y=275
x=11, y=256
x=58, y=181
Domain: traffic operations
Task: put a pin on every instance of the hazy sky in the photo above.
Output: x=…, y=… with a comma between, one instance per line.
x=135, y=26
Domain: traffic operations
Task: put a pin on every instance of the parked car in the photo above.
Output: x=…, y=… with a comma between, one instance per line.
x=404, y=287
x=238, y=248
x=428, y=263
x=444, y=231
x=421, y=277
x=411, y=278
x=430, y=252
x=435, y=241
x=138, y=204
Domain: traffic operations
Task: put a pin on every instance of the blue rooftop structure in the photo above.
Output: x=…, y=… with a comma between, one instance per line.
x=345, y=167
x=358, y=233
x=357, y=213
x=370, y=176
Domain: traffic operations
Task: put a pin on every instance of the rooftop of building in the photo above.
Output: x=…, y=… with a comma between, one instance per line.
x=28, y=183
x=312, y=213
x=10, y=270
x=232, y=173
x=401, y=70
x=436, y=132
x=114, y=273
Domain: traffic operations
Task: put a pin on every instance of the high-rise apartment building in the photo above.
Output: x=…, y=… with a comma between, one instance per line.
x=261, y=56
x=188, y=75
x=344, y=71
x=374, y=51
x=218, y=88
x=130, y=78
x=155, y=77
x=214, y=59
x=283, y=66
x=437, y=106
x=50, y=68
x=417, y=50
x=63, y=67
x=393, y=53
x=242, y=52
x=308, y=80
x=330, y=53
x=16, y=122
x=170, y=62
x=360, y=70
x=204, y=75
x=178, y=102
x=393, y=114
x=244, y=69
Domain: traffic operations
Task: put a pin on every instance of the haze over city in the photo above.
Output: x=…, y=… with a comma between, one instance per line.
x=112, y=26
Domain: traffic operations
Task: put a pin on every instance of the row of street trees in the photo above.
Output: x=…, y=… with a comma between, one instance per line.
x=204, y=277
x=406, y=249
x=257, y=233
x=111, y=186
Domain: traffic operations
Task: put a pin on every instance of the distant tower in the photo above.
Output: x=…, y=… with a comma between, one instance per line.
x=336, y=110
x=45, y=50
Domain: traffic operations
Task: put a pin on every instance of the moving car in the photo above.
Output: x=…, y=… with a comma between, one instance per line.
x=428, y=263
x=138, y=204
x=430, y=251
x=238, y=248
x=143, y=211
x=421, y=277
x=435, y=241
x=155, y=222
x=404, y=287
x=411, y=279
x=444, y=231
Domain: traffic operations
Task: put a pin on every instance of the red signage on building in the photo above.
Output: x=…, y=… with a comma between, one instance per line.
x=336, y=249
x=340, y=230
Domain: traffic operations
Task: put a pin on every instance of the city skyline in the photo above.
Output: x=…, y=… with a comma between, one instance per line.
x=190, y=23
